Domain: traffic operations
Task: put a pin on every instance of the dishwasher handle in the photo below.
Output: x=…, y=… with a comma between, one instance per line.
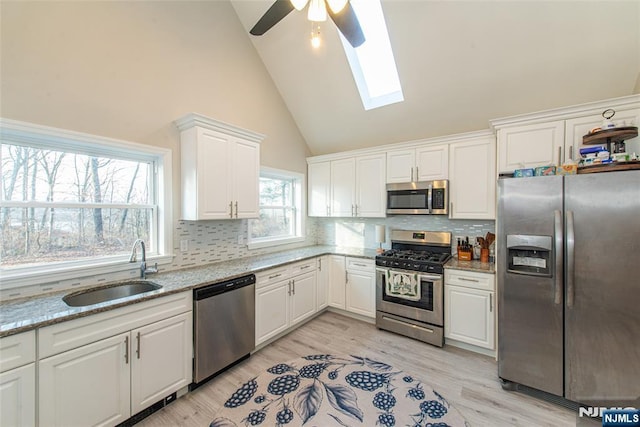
x=222, y=287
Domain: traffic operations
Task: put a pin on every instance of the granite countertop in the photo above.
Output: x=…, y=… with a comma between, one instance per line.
x=24, y=314
x=477, y=266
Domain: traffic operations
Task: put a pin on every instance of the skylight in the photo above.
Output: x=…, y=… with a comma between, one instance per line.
x=372, y=64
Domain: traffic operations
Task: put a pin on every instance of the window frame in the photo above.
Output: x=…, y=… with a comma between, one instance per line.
x=39, y=136
x=298, y=198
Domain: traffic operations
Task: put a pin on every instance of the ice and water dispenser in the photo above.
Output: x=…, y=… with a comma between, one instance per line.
x=530, y=255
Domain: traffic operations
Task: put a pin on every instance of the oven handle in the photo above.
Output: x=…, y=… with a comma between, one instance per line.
x=430, y=277
x=430, y=198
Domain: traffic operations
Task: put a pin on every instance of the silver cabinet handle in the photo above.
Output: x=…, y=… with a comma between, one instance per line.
x=491, y=303
x=571, y=152
x=559, y=246
x=273, y=276
x=417, y=176
x=126, y=350
x=289, y=284
x=293, y=282
x=464, y=279
x=411, y=173
x=356, y=205
x=360, y=265
x=319, y=264
x=231, y=209
x=236, y=209
x=559, y=156
x=346, y=277
x=570, y=259
x=138, y=346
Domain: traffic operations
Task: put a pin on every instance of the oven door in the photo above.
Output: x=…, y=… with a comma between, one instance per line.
x=410, y=294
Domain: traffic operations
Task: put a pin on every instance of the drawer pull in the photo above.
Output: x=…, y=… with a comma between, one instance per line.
x=464, y=279
x=305, y=266
x=126, y=350
x=360, y=265
x=273, y=276
x=138, y=346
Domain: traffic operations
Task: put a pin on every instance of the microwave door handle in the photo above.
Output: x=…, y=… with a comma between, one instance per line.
x=430, y=198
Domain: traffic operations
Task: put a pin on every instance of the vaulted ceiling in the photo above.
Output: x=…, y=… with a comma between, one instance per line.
x=460, y=63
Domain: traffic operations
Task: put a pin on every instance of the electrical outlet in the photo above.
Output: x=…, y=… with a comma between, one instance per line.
x=184, y=245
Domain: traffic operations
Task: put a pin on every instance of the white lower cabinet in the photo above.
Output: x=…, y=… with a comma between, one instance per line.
x=284, y=297
x=352, y=285
x=18, y=380
x=322, y=282
x=361, y=287
x=470, y=309
x=107, y=380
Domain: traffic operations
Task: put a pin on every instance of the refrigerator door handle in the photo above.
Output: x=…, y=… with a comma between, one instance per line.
x=570, y=259
x=559, y=246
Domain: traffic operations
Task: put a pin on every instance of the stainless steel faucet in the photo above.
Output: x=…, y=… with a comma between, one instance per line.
x=143, y=265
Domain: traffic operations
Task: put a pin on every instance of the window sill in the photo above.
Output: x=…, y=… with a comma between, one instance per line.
x=18, y=279
x=274, y=242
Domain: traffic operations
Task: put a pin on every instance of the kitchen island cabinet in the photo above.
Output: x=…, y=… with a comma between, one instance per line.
x=469, y=307
x=105, y=368
x=18, y=380
x=220, y=169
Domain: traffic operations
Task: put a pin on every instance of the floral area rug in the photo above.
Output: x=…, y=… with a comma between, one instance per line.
x=327, y=390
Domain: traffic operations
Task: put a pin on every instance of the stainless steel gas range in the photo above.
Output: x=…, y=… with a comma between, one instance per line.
x=410, y=285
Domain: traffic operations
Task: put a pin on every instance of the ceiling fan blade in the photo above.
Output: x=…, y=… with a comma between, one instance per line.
x=348, y=24
x=272, y=16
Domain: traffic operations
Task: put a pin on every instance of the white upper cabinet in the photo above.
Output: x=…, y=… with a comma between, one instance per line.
x=472, y=190
x=220, y=169
x=529, y=146
x=553, y=137
x=426, y=163
x=319, y=189
x=348, y=187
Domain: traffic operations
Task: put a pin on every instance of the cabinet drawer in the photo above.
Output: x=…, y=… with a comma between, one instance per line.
x=271, y=276
x=302, y=267
x=65, y=336
x=360, y=264
x=17, y=350
x=469, y=279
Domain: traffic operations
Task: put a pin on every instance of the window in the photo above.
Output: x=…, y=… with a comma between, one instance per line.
x=72, y=201
x=281, y=213
x=372, y=63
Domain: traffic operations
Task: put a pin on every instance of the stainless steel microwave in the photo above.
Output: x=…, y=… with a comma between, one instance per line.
x=418, y=198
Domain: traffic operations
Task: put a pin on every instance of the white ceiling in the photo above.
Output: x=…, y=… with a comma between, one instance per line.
x=461, y=63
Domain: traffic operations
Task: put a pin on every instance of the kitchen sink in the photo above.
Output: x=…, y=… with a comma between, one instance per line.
x=110, y=293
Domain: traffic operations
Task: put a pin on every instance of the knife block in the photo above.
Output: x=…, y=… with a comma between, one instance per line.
x=464, y=254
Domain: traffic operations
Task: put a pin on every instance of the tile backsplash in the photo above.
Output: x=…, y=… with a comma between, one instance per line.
x=360, y=232
x=213, y=241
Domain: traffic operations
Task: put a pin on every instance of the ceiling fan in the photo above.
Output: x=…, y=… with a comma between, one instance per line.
x=340, y=11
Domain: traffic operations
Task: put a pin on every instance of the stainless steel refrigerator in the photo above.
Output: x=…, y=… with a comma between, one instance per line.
x=568, y=262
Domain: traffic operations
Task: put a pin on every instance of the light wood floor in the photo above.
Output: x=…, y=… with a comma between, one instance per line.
x=467, y=380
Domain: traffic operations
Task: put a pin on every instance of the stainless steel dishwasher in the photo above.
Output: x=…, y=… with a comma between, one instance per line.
x=224, y=325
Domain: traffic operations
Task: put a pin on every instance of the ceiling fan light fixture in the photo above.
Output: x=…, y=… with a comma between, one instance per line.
x=337, y=5
x=317, y=11
x=299, y=4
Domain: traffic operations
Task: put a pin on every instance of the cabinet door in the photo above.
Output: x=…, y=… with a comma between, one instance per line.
x=322, y=283
x=303, y=297
x=371, y=190
x=361, y=293
x=530, y=146
x=343, y=185
x=272, y=311
x=432, y=163
x=161, y=360
x=472, y=189
x=213, y=190
x=87, y=386
x=245, y=171
x=337, y=281
x=469, y=316
x=18, y=397
x=400, y=164
x=319, y=188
